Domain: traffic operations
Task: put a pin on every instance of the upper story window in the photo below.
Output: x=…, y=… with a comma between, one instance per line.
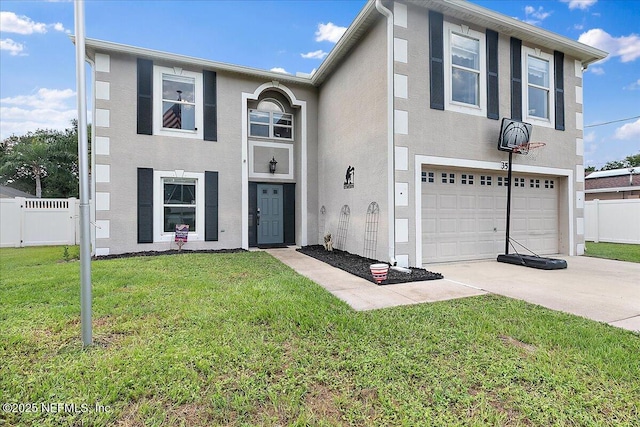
x=538, y=87
x=465, y=69
x=178, y=99
x=270, y=121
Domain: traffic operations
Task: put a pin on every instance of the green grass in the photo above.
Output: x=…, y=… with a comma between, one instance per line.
x=618, y=251
x=240, y=339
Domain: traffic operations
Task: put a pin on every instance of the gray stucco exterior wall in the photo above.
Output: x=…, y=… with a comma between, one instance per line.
x=352, y=130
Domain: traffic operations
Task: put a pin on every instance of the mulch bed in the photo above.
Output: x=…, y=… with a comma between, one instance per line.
x=169, y=252
x=359, y=266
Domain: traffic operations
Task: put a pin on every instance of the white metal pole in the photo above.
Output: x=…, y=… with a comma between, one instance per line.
x=83, y=159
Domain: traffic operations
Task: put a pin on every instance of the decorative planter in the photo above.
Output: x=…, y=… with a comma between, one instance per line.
x=379, y=272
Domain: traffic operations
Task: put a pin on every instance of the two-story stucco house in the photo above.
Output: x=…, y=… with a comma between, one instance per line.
x=404, y=112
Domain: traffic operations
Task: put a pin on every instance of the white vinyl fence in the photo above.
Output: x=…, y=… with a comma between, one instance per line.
x=614, y=221
x=39, y=222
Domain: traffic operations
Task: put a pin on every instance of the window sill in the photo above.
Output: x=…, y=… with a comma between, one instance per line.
x=271, y=138
x=473, y=110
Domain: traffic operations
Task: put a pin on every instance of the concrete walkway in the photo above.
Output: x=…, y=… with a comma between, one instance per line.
x=602, y=290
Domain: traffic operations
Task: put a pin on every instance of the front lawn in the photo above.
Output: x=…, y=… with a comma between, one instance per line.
x=618, y=251
x=240, y=339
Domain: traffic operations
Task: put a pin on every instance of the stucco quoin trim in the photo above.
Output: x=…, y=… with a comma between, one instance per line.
x=246, y=97
x=492, y=166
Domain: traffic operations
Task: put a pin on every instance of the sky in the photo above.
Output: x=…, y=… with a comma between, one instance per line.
x=37, y=58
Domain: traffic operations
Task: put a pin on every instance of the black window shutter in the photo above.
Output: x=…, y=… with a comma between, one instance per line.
x=289, y=210
x=211, y=206
x=145, y=205
x=558, y=64
x=145, y=96
x=253, y=217
x=516, y=78
x=436, y=61
x=210, y=106
x=493, y=98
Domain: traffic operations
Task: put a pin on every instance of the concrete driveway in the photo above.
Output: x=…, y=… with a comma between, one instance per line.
x=598, y=289
x=603, y=290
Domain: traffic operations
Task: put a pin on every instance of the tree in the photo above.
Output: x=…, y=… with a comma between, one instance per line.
x=628, y=162
x=46, y=158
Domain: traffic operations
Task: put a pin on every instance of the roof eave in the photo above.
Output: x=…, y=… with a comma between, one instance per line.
x=516, y=28
x=101, y=45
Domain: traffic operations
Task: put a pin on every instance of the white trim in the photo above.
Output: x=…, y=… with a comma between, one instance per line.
x=103, y=228
x=158, y=72
x=103, y=173
x=102, y=118
x=288, y=147
x=102, y=145
x=579, y=97
x=158, y=205
x=102, y=90
x=612, y=190
x=579, y=147
x=102, y=63
x=246, y=96
x=400, y=49
x=450, y=104
x=580, y=199
x=402, y=230
x=402, y=194
x=493, y=166
x=103, y=201
x=579, y=173
x=580, y=226
x=102, y=251
x=579, y=121
x=578, y=68
x=400, y=14
x=401, y=122
x=403, y=260
x=401, y=86
x=402, y=158
x=535, y=120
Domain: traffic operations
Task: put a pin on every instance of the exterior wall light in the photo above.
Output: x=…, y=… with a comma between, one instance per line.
x=272, y=165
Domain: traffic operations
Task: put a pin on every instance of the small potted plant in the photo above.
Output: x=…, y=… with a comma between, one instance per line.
x=379, y=272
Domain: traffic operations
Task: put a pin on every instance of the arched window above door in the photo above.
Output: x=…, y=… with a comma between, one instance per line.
x=269, y=120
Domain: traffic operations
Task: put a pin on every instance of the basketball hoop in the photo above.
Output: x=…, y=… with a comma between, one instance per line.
x=529, y=149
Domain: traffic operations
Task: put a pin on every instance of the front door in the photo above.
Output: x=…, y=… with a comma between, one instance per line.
x=270, y=214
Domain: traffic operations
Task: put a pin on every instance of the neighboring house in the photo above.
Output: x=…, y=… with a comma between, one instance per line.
x=10, y=193
x=404, y=112
x=613, y=184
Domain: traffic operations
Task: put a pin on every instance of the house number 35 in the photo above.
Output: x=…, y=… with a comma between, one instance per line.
x=505, y=165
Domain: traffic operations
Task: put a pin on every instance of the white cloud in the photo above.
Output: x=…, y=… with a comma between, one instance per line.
x=626, y=47
x=598, y=71
x=14, y=48
x=633, y=86
x=12, y=23
x=43, y=98
x=59, y=27
x=279, y=70
x=45, y=109
x=628, y=131
x=535, y=16
x=329, y=32
x=590, y=137
x=318, y=54
x=578, y=27
x=580, y=4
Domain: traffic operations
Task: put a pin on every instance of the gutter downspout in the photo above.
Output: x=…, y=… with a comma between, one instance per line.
x=390, y=135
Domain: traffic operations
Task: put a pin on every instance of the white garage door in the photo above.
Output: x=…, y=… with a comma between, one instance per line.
x=464, y=214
